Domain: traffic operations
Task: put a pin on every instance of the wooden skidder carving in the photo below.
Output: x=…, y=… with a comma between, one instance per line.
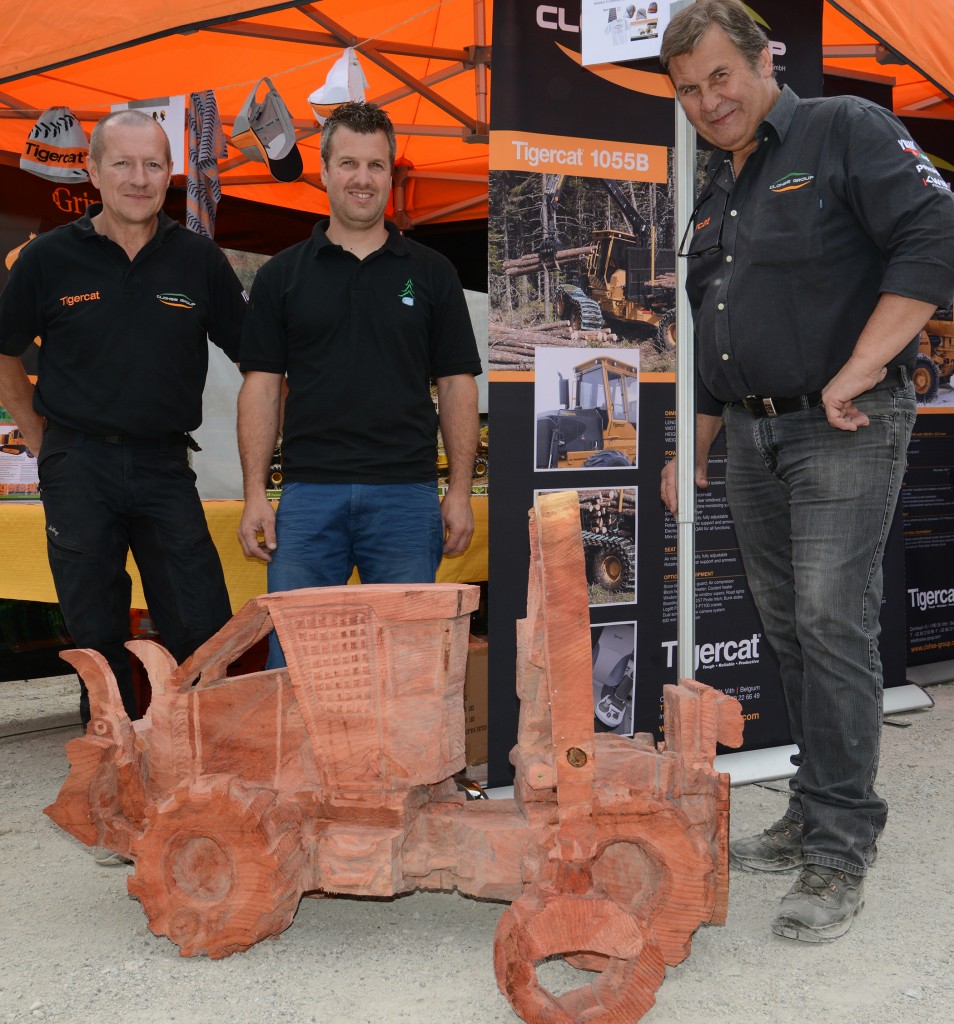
x=237, y=795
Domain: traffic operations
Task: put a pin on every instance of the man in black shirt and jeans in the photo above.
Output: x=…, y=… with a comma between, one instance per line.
x=124, y=301
x=360, y=319
x=822, y=242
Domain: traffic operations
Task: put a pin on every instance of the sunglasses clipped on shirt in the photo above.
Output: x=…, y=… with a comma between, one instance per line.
x=712, y=249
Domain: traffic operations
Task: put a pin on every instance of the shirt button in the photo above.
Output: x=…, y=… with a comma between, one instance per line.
x=733, y=213
x=728, y=259
x=725, y=357
x=721, y=305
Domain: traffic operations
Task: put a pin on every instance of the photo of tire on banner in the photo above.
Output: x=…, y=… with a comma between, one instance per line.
x=608, y=528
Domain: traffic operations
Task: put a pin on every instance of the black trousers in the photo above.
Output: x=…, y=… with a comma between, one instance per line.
x=102, y=500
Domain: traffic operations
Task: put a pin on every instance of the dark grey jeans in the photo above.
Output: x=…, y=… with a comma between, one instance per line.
x=812, y=506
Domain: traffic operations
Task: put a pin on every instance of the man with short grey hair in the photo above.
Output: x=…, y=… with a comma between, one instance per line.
x=822, y=241
x=124, y=301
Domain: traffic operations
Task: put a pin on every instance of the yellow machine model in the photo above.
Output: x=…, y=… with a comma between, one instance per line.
x=627, y=281
x=596, y=422
x=935, y=361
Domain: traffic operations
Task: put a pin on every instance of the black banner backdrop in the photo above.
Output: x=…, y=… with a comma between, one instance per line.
x=558, y=129
x=927, y=500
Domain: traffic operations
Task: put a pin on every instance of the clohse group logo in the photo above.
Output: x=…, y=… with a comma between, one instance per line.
x=176, y=299
x=555, y=19
x=792, y=182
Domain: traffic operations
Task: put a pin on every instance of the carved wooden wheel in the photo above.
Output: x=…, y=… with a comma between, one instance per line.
x=543, y=924
x=660, y=876
x=217, y=867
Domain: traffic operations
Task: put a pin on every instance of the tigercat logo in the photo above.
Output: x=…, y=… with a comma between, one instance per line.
x=72, y=300
x=176, y=299
x=792, y=182
x=723, y=652
x=925, y=599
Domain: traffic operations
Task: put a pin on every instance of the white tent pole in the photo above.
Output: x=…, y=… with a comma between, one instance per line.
x=480, y=68
x=684, y=170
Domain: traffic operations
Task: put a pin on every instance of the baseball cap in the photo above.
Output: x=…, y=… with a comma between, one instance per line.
x=346, y=81
x=56, y=148
x=263, y=130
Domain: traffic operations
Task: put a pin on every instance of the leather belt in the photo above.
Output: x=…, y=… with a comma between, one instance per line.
x=130, y=440
x=763, y=405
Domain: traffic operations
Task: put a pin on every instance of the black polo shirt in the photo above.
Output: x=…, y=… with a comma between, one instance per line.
x=360, y=341
x=835, y=206
x=124, y=344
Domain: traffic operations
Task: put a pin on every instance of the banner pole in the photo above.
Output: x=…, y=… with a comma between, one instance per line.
x=684, y=171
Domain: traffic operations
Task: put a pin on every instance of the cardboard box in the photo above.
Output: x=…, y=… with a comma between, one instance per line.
x=475, y=702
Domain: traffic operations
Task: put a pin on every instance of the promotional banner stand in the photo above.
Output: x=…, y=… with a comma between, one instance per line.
x=685, y=173
x=775, y=762
x=929, y=675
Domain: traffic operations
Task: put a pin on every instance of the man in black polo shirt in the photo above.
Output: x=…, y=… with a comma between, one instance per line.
x=359, y=319
x=124, y=301
x=822, y=242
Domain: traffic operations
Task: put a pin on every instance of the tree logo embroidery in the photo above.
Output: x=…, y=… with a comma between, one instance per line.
x=407, y=296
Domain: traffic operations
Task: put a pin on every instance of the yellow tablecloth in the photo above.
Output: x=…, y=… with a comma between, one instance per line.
x=25, y=572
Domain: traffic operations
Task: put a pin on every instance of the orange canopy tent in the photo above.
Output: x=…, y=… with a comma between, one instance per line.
x=903, y=45
x=425, y=62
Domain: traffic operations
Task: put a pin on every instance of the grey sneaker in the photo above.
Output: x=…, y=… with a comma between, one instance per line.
x=778, y=848
x=107, y=858
x=821, y=905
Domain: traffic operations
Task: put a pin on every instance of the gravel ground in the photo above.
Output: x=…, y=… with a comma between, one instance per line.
x=76, y=949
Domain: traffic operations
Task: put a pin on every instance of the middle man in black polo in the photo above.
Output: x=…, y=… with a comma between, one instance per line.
x=359, y=319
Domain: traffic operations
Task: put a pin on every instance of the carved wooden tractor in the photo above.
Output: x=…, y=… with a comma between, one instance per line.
x=237, y=795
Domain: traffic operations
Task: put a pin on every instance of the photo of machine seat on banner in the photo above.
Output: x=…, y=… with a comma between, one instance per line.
x=582, y=358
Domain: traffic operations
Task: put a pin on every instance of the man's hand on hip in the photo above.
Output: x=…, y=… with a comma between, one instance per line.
x=839, y=393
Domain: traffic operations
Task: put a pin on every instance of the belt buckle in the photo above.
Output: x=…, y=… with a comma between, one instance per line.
x=765, y=406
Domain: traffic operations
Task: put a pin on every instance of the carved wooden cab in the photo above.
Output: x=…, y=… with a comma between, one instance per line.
x=236, y=795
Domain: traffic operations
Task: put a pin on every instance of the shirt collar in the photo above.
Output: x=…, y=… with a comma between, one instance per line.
x=85, y=227
x=396, y=242
x=780, y=117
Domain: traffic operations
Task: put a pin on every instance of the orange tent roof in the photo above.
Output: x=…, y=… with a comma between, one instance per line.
x=905, y=46
x=426, y=63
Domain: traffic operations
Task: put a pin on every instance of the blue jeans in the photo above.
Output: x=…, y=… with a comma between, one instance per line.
x=392, y=533
x=812, y=506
